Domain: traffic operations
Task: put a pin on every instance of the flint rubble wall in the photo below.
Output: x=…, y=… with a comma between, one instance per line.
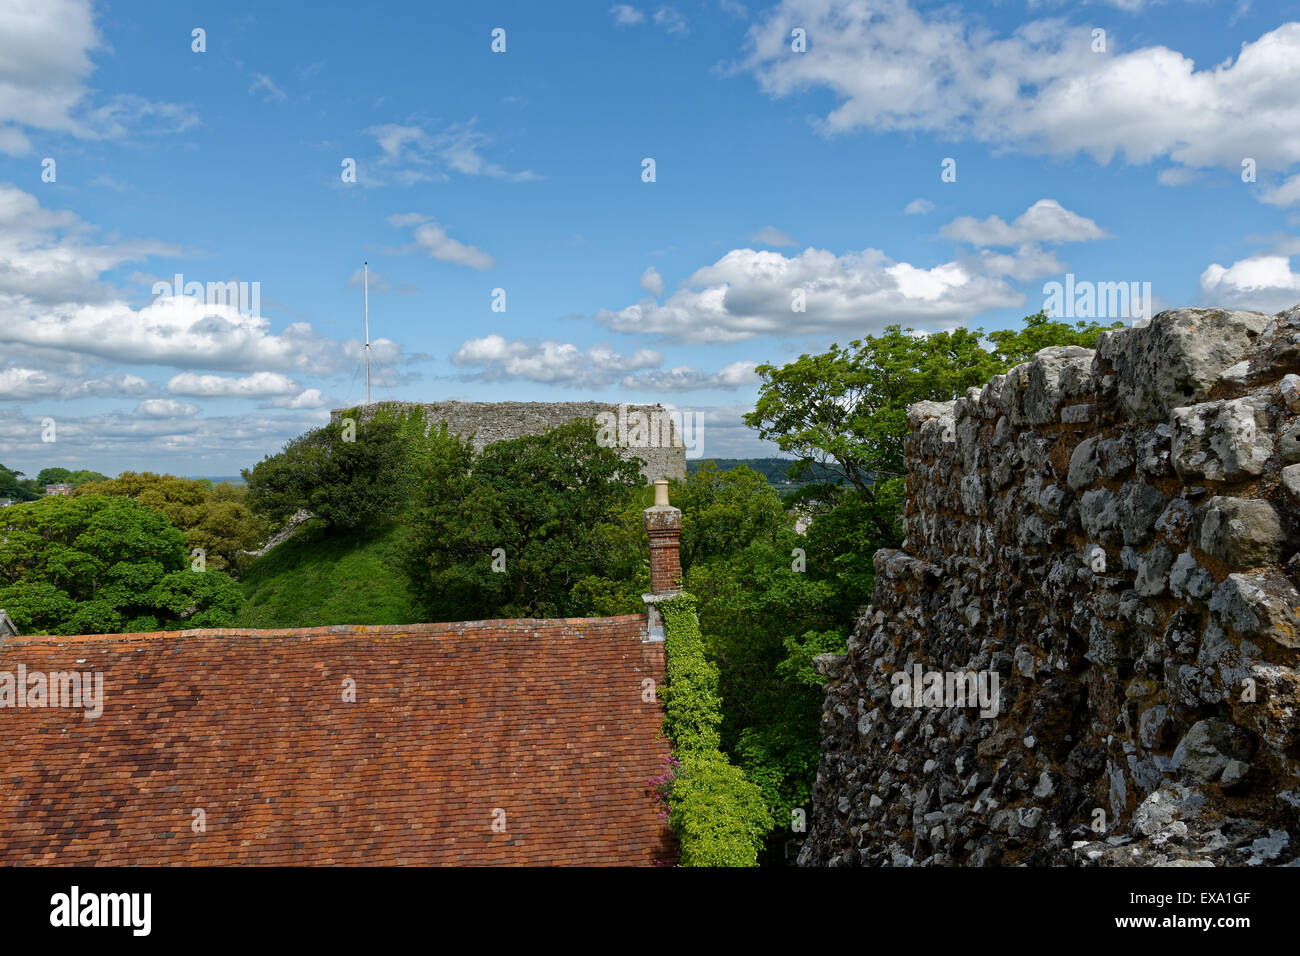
x=1113, y=533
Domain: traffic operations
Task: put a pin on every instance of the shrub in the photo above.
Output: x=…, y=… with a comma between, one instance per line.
x=719, y=817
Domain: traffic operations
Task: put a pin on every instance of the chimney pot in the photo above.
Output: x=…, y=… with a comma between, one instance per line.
x=661, y=493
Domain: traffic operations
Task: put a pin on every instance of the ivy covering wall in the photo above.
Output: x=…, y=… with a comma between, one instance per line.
x=719, y=817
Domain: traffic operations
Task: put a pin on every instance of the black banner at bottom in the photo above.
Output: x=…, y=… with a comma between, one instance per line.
x=335, y=905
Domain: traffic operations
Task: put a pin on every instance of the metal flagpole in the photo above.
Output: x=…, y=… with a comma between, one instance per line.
x=366, y=268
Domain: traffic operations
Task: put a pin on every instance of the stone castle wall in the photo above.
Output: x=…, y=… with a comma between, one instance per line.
x=1113, y=535
x=498, y=421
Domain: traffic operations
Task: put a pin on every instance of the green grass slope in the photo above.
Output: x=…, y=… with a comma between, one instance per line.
x=319, y=577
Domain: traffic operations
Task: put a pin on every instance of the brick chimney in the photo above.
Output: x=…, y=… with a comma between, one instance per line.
x=663, y=526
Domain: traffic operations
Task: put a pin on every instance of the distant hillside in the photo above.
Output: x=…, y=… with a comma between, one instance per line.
x=318, y=577
x=773, y=469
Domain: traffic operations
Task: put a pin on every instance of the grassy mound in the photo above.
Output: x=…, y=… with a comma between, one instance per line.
x=321, y=577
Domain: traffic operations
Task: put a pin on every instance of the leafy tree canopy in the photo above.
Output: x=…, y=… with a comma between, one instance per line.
x=214, y=518
x=846, y=409
x=723, y=512
x=345, y=473
x=511, y=532
x=92, y=564
x=14, y=486
x=56, y=476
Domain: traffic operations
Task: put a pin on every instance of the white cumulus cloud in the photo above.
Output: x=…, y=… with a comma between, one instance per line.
x=625, y=15
x=747, y=293
x=309, y=398
x=750, y=293
x=18, y=383
x=1045, y=221
x=54, y=301
x=257, y=385
x=45, y=67
x=1039, y=89
x=684, y=378
x=554, y=363
x=411, y=154
x=1265, y=283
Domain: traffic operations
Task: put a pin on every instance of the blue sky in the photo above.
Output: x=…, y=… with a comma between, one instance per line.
x=775, y=171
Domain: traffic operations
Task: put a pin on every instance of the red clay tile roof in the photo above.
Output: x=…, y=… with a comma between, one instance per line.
x=452, y=722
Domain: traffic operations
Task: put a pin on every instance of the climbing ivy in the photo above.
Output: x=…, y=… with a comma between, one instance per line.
x=719, y=817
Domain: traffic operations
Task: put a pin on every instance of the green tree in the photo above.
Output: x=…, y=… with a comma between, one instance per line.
x=96, y=564
x=723, y=511
x=511, y=532
x=1011, y=346
x=50, y=476
x=846, y=409
x=55, y=476
x=759, y=615
x=214, y=518
x=13, y=485
x=346, y=475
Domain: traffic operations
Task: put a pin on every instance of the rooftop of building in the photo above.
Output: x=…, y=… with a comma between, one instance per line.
x=469, y=743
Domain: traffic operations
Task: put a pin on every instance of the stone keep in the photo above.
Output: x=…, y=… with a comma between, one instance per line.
x=1113, y=534
x=498, y=421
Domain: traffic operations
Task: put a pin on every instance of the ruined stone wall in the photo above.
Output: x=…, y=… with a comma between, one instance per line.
x=1114, y=536
x=662, y=457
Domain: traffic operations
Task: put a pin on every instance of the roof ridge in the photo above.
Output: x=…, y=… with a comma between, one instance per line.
x=377, y=630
